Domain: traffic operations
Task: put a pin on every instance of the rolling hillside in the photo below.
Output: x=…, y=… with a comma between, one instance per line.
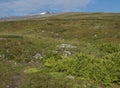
x=58, y=50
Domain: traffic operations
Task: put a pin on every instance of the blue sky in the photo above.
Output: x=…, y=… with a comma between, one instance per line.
x=27, y=7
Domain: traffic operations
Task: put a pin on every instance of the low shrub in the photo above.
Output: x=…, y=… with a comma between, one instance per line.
x=86, y=66
x=115, y=57
x=109, y=47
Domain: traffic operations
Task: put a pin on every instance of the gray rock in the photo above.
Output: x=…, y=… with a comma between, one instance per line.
x=67, y=53
x=66, y=46
x=2, y=56
x=70, y=77
x=65, y=49
x=38, y=56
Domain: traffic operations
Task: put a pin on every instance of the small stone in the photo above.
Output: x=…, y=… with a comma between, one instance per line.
x=15, y=63
x=70, y=77
x=67, y=46
x=8, y=86
x=67, y=53
x=38, y=56
x=43, y=31
x=56, y=34
x=2, y=56
x=95, y=35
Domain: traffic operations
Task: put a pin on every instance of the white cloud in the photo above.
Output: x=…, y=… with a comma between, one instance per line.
x=22, y=7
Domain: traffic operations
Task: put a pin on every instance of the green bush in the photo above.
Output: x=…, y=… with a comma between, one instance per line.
x=85, y=66
x=115, y=57
x=109, y=47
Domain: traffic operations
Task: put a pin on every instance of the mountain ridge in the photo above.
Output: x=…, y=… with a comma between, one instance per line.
x=47, y=14
x=14, y=18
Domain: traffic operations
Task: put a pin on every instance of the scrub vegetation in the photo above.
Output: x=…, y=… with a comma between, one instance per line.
x=70, y=50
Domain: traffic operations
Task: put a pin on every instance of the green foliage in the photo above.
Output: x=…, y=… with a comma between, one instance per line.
x=115, y=57
x=110, y=47
x=31, y=70
x=45, y=80
x=11, y=36
x=54, y=80
x=87, y=67
x=7, y=73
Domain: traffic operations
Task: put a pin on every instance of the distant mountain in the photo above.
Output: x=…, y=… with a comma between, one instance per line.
x=60, y=15
x=46, y=13
x=14, y=18
x=43, y=13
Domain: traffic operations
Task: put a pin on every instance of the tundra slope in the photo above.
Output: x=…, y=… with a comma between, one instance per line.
x=32, y=57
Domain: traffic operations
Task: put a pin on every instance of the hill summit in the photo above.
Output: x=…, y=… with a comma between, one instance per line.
x=46, y=13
